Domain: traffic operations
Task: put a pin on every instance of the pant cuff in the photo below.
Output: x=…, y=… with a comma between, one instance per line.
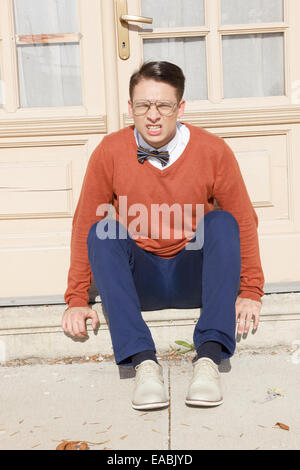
x=228, y=347
x=125, y=358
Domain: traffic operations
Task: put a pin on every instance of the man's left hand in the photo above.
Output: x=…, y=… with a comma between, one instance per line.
x=245, y=310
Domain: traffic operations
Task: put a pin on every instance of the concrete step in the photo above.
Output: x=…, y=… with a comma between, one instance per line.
x=35, y=331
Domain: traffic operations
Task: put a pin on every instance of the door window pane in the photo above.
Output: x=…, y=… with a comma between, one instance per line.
x=46, y=16
x=189, y=54
x=171, y=13
x=251, y=11
x=49, y=74
x=253, y=65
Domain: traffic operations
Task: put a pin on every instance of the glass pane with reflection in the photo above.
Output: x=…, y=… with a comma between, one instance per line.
x=251, y=11
x=189, y=54
x=253, y=65
x=49, y=73
x=173, y=13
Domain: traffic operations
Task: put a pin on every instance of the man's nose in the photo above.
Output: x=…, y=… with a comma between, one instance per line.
x=153, y=113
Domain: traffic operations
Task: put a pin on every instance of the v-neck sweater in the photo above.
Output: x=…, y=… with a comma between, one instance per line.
x=207, y=170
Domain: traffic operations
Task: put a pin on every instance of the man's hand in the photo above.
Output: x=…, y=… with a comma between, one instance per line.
x=74, y=321
x=245, y=310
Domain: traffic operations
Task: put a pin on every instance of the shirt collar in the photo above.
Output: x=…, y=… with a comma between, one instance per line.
x=170, y=146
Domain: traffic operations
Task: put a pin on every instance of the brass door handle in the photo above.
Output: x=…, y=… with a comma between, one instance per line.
x=122, y=19
x=137, y=19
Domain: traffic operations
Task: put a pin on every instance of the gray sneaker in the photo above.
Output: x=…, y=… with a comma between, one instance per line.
x=205, y=386
x=149, y=391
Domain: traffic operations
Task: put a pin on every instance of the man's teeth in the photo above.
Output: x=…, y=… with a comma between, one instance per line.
x=154, y=127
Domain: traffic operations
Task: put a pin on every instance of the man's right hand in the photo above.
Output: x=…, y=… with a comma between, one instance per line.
x=74, y=321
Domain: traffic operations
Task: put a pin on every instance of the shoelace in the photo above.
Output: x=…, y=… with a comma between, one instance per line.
x=208, y=367
x=146, y=372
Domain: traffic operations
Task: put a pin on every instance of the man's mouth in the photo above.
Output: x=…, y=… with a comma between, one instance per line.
x=153, y=129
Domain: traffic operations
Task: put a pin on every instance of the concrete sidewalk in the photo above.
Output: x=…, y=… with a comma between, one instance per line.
x=45, y=403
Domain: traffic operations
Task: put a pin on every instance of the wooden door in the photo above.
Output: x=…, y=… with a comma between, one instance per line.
x=242, y=83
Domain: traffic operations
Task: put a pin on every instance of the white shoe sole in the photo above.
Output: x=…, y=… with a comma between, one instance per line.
x=150, y=406
x=203, y=402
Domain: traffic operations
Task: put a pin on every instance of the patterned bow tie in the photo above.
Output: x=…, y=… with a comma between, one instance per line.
x=143, y=154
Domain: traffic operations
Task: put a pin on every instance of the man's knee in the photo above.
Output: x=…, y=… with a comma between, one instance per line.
x=220, y=218
x=105, y=230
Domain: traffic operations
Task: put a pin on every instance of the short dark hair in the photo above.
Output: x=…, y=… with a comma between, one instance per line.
x=161, y=72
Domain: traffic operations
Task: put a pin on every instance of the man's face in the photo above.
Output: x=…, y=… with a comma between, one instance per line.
x=155, y=129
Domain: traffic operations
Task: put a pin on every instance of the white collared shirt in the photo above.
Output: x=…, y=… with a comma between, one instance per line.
x=175, y=147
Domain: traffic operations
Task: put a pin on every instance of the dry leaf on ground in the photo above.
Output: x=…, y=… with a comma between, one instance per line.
x=273, y=393
x=95, y=358
x=72, y=445
x=61, y=446
x=283, y=426
x=98, y=443
x=83, y=446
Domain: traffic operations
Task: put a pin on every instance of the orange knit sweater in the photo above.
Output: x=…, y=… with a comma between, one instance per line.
x=206, y=170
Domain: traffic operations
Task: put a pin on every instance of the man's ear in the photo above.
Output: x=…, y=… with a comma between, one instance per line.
x=130, y=111
x=181, y=108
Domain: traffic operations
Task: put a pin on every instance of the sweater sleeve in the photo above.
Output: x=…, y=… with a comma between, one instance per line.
x=231, y=195
x=97, y=188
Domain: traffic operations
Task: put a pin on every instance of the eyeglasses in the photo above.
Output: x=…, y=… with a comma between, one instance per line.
x=165, y=108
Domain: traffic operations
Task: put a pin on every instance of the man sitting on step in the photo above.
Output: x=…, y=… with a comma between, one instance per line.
x=147, y=262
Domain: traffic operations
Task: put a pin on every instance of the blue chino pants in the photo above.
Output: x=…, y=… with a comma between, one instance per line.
x=130, y=280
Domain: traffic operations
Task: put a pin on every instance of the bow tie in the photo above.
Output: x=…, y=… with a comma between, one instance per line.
x=143, y=154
